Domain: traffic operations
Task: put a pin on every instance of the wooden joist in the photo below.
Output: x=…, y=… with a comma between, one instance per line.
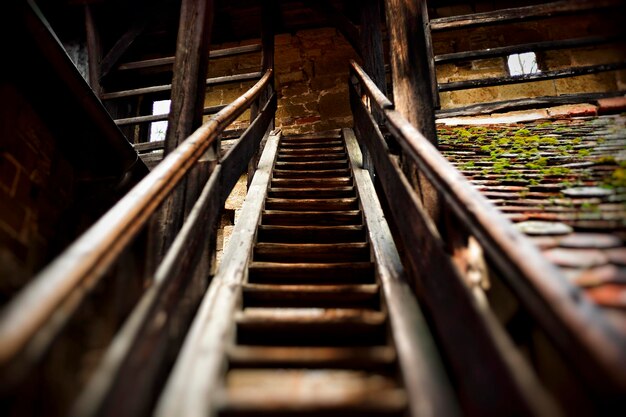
x=546, y=75
x=520, y=13
x=527, y=47
x=161, y=117
x=526, y=103
x=168, y=87
x=168, y=61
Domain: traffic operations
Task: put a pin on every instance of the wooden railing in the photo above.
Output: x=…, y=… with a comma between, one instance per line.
x=479, y=346
x=153, y=321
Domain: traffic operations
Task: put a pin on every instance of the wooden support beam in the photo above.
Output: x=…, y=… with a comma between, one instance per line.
x=526, y=103
x=340, y=21
x=372, y=44
x=521, y=13
x=161, y=117
x=547, y=75
x=94, y=50
x=526, y=47
x=167, y=87
x=188, y=90
x=412, y=91
x=373, y=58
x=142, y=19
x=217, y=53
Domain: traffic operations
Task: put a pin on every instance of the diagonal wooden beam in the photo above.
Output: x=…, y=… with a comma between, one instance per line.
x=340, y=21
x=110, y=60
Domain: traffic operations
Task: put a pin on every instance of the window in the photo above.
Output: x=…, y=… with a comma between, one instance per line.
x=157, y=129
x=521, y=64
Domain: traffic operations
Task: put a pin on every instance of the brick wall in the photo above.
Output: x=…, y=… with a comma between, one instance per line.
x=36, y=187
x=311, y=80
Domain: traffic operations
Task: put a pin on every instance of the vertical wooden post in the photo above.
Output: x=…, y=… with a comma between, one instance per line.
x=268, y=10
x=94, y=50
x=372, y=44
x=431, y=56
x=191, y=64
x=373, y=60
x=411, y=82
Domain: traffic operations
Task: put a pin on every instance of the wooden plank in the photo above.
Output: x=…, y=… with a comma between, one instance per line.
x=311, y=273
x=168, y=87
x=526, y=103
x=194, y=381
x=124, y=42
x=213, y=54
x=311, y=252
x=143, y=349
x=372, y=41
x=490, y=374
x=526, y=47
x=149, y=146
x=428, y=387
x=520, y=13
x=159, y=117
x=362, y=358
x=524, y=78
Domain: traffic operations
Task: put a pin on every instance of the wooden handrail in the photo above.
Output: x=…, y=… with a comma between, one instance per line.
x=537, y=281
x=88, y=258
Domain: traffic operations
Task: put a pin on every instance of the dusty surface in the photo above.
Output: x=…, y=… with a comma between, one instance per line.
x=563, y=182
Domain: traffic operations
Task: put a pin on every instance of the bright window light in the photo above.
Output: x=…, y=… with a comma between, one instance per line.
x=520, y=64
x=157, y=129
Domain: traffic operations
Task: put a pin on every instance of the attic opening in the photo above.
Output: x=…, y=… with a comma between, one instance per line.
x=522, y=64
x=158, y=129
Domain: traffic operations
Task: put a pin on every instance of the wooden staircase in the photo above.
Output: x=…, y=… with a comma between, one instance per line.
x=312, y=334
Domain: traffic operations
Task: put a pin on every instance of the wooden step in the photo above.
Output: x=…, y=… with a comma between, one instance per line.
x=301, y=174
x=312, y=204
x=313, y=136
x=311, y=273
x=310, y=327
x=322, y=296
x=311, y=218
x=312, y=166
x=310, y=144
x=373, y=358
x=337, y=192
x=311, y=151
x=312, y=158
x=311, y=252
x=311, y=182
x=311, y=393
x=310, y=234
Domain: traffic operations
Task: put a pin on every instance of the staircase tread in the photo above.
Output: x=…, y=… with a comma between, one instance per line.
x=310, y=315
x=303, y=390
x=242, y=354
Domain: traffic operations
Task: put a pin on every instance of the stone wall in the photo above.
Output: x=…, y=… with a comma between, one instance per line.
x=311, y=80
